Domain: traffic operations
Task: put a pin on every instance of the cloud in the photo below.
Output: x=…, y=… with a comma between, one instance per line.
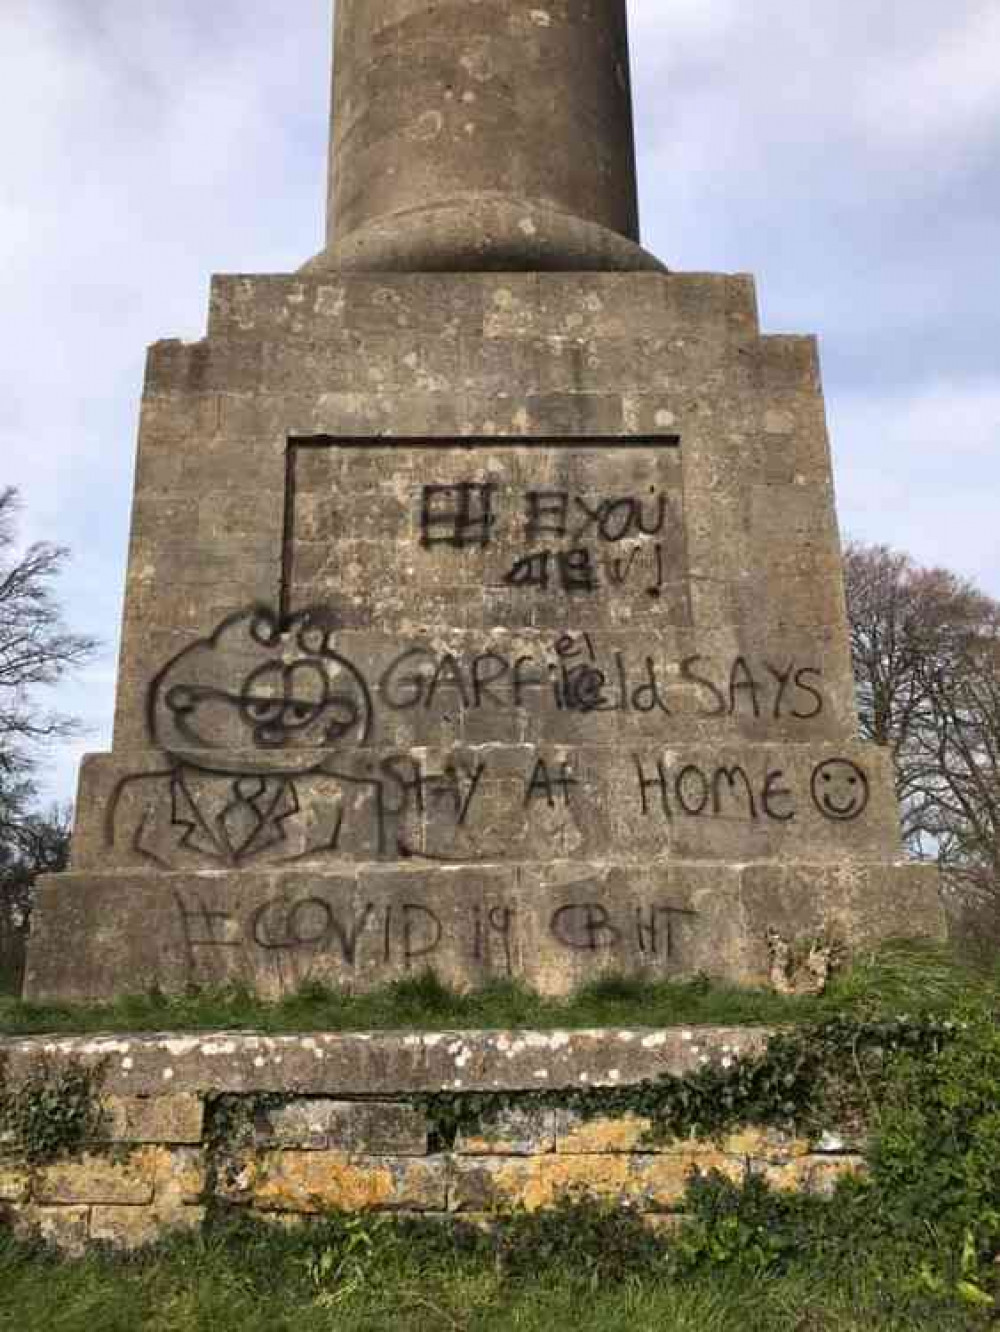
x=906, y=463
x=843, y=152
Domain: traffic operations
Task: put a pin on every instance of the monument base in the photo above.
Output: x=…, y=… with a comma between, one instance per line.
x=552, y=926
x=485, y=622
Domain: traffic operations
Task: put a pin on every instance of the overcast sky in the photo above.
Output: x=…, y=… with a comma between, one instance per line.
x=847, y=152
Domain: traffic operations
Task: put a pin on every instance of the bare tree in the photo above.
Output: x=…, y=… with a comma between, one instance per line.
x=40, y=847
x=926, y=648
x=37, y=651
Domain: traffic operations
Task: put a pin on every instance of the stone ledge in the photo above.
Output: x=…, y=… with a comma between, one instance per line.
x=359, y=1066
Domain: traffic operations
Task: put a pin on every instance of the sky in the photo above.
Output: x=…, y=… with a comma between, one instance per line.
x=846, y=153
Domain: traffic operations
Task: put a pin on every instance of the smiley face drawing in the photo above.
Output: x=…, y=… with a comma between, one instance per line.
x=840, y=790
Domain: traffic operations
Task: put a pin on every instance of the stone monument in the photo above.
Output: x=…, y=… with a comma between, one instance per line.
x=484, y=607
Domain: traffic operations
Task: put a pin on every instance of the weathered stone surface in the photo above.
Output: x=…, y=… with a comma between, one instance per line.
x=576, y=1136
x=133, y=1228
x=515, y=1132
x=64, y=1228
x=316, y=1155
x=325, y=1181
x=368, y=1128
x=155, y=1119
x=656, y=1183
x=767, y=1145
x=15, y=1183
x=180, y=1175
x=94, y=1179
x=552, y=926
x=381, y=1064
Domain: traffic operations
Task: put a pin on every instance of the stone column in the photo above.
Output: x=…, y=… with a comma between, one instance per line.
x=482, y=134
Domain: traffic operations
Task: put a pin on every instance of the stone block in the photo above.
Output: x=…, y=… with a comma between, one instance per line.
x=326, y=1181
x=15, y=1183
x=66, y=1229
x=155, y=1119
x=766, y=1144
x=367, y=1128
x=129, y=1229
x=651, y=1183
x=180, y=1174
x=576, y=1136
x=95, y=1179
x=515, y=1132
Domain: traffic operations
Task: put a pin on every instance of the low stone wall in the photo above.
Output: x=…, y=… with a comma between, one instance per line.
x=293, y=1127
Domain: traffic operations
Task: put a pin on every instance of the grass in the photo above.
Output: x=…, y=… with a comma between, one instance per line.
x=902, y=977
x=914, y=1249
x=312, y=1281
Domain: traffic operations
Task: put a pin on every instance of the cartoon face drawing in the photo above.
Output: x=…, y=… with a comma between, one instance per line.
x=840, y=790
x=276, y=697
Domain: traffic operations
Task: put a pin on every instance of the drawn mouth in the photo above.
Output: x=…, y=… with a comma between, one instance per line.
x=841, y=811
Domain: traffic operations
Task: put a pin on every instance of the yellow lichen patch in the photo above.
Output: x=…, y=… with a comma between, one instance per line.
x=661, y=1181
x=14, y=1184
x=583, y=1137
x=765, y=1144
x=655, y=1182
x=787, y=1177
x=548, y=1178
x=96, y=1179
x=179, y=1174
x=311, y=1182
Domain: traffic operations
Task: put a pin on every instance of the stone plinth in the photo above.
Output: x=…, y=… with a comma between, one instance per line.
x=488, y=623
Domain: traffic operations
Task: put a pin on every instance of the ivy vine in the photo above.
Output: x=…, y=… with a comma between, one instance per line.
x=805, y=1079
x=53, y=1113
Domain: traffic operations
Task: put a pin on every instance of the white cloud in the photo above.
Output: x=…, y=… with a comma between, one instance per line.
x=919, y=470
x=948, y=90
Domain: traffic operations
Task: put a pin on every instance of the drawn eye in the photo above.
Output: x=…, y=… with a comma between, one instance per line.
x=262, y=709
x=182, y=699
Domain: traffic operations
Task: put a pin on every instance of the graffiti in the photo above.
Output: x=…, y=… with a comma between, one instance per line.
x=840, y=790
x=243, y=717
x=542, y=785
x=575, y=677
x=467, y=516
x=269, y=734
x=572, y=571
x=720, y=793
x=559, y=515
x=407, y=934
x=461, y=517
x=280, y=688
x=350, y=934
x=590, y=927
